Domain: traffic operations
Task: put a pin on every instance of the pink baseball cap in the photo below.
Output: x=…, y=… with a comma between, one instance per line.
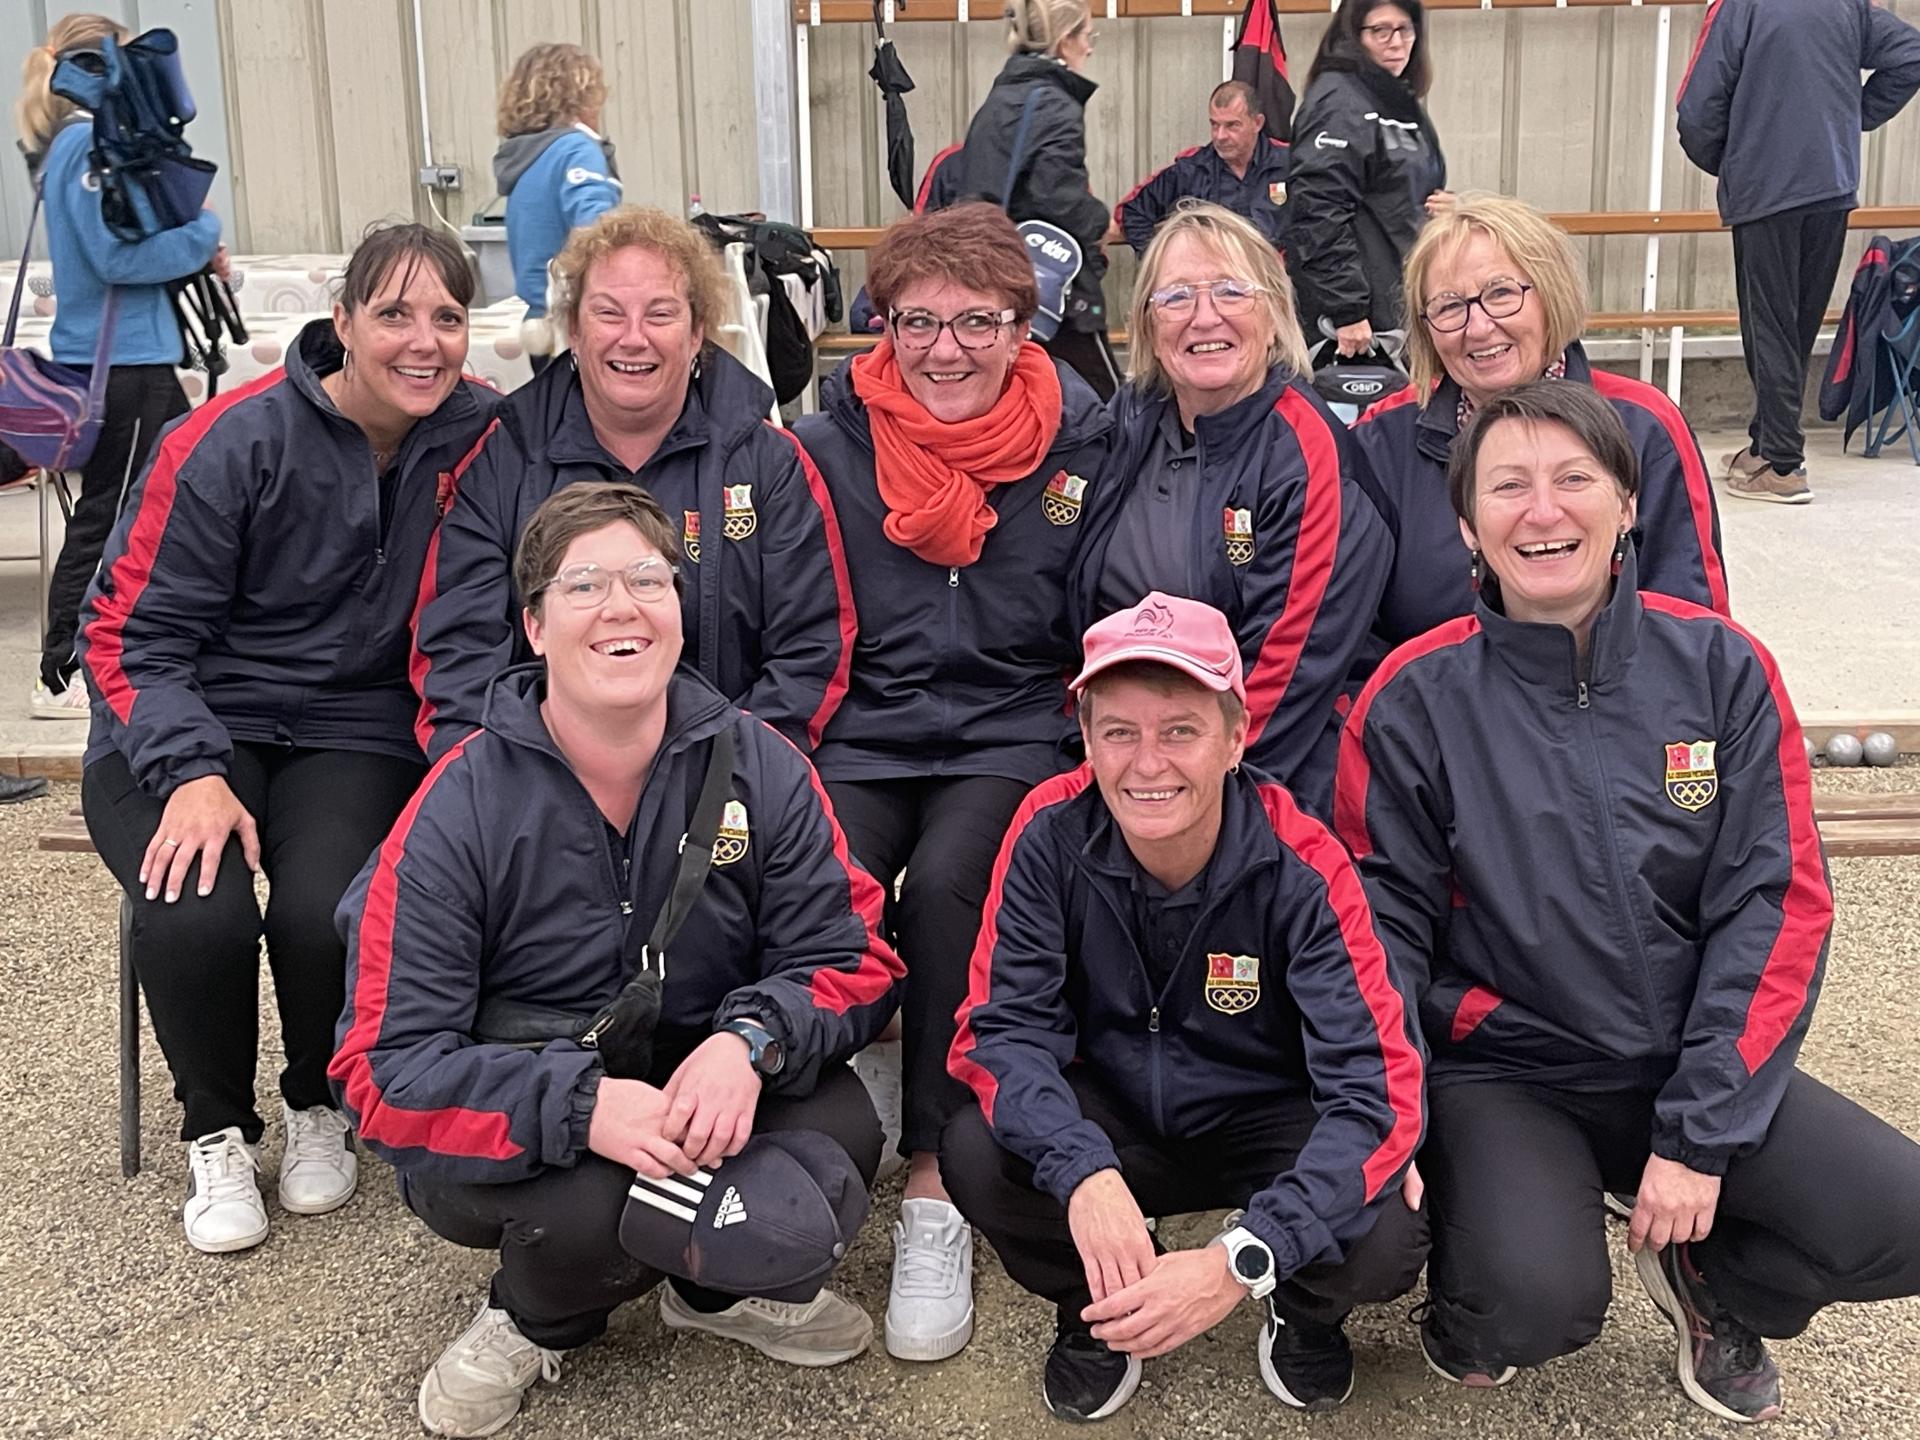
x=1189, y=635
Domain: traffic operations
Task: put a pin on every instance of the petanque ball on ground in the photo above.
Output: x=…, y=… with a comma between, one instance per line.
x=1880, y=748
x=1843, y=750
x=1812, y=750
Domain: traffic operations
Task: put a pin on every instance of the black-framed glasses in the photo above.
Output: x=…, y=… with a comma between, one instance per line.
x=1387, y=34
x=1499, y=299
x=972, y=329
x=649, y=580
x=1231, y=296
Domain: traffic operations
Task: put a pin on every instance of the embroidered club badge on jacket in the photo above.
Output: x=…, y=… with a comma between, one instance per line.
x=1239, y=533
x=1233, y=983
x=1692, y=782
x=1061, y=500
x=739, y=520
x=690, y=534
x=731, y=843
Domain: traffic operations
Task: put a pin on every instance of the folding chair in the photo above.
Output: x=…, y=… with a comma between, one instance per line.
x=1897, y=364
x=46, y=486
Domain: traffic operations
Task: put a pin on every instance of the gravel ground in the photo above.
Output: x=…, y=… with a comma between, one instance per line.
x=112, y=1327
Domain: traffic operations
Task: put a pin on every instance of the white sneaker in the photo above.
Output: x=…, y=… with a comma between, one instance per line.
x=930, y=1304
x=824, y=1331
x=474, y=1388
x=224, y=1211
x=878, y=1067
x=318, y=1168
x=72, y=703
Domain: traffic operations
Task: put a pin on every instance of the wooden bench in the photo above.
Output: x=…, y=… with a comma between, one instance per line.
x=68, y=835
x=1855, y=825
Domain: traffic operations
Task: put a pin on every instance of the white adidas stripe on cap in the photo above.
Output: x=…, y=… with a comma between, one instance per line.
x=676, y=1195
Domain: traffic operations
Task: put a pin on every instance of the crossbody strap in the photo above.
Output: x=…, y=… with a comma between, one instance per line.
x=20, y=279
x=1019, y=147
x=696, y=853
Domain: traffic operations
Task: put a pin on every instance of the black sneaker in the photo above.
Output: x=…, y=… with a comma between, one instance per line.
x=1448, y=1364
x=1309, y=1366
x=1723, y=1366
x=1084, y=1379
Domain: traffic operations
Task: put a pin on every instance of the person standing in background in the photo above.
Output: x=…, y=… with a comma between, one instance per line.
x=92, y=265
x=1789, y=174
x=555, y=170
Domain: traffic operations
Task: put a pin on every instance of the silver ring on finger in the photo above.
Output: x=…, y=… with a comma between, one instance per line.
x=170, y=842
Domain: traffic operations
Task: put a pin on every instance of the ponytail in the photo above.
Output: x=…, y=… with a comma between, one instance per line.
x=39, y=113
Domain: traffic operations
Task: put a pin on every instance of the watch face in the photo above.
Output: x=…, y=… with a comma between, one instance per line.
x=771, y=1057
x=1252, y=1262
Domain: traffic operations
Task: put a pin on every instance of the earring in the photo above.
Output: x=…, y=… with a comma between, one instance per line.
x=1234, y=769
x=1620, y=552
x=1474, y=568
x=694, y=368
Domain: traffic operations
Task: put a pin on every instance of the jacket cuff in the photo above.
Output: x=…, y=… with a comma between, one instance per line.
x=1275, y=1236
x=171, y=779
x=586, y=1095
x=1060, y=1175
x=1705, y=1160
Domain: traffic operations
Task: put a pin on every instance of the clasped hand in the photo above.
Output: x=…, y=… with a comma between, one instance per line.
x=1143, y=1304
x=703, y=1115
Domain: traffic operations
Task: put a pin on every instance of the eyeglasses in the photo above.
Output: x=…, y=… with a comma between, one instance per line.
x=1387, y=34
x=1230, y=297
x=649, y=580
x=972, y=329
x=1500, y=299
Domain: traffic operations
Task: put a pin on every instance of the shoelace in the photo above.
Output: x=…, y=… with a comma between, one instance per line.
x=500, y=1340
x=926, y=1271
x=314, y=1137
x=223, y=1172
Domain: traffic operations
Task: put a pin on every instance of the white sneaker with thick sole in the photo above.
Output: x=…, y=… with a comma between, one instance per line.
x=224, y=1211
x=824, y=1331
x=474, y=1388
x=878, y=1067
x=72, y=703
x=930, y=1303
x=318, y=1167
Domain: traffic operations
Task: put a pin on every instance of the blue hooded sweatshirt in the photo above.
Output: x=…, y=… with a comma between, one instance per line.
x=554, y=180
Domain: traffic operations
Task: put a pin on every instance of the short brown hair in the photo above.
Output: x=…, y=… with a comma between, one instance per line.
x=567, y=514
x=1228, y=91
x=973, y=245
x=640, y=227
x=1162, y=680
x=1535, y=244
x=550, y=86
x=1580, y=408
x=385, y=247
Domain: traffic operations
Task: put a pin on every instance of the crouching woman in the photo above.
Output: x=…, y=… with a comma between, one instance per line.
x=617, y=930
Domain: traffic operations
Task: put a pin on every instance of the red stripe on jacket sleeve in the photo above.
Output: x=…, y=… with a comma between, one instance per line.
x=450, y=1130
x=130, y=573
x=1806, y=910
x=1405, y=395
x=1699, y=44
x=1474, y=1007
x=849, y=619
x=1692, y=468
x=879, y=968
x=1155, y=175
x=960, y=1062
x=418, y=663
x=1355, y=771
x=926, y=180
x=1401, y=1071
x=1315, y=546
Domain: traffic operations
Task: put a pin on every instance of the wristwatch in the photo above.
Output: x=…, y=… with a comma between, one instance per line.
x=1249, y=1260
x=764, y=1053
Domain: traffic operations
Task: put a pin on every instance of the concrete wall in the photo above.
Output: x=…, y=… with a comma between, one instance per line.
x=313, y=109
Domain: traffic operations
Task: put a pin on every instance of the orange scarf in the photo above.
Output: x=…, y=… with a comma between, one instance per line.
x=934, y=476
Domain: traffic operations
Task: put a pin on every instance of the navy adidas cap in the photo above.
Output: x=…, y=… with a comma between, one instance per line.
x=771, y=1221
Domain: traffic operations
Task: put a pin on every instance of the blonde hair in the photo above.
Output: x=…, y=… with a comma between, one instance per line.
x=1535, y=245
x=636, y=227
x=1035, y=27
x=38, y=113
x=1247, y=255
x=551, y=85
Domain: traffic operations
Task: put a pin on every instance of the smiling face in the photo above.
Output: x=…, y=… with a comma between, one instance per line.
x=1546, y=519
x=1211, y=359
x=616, y=655
x=1387, y=36
x=635, y=339
x=953, y=382
x=1489, y=355
x=1160, y=755
x=406, y=345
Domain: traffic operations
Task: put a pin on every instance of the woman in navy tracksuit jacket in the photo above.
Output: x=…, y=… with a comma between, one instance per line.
x=246, y=645
x=1406, y=438
x=1254, y=510
x=1585, y=820
x=956, y=703
x=768, y=609
x=143, y=392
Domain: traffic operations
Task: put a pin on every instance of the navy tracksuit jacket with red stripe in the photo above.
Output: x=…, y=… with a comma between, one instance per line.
x=768, y=609
x=1301, y=595
x=1259, y=196
x=1677, y=532
x=501, y=879
x=258, y=587
x=1597, y=883
x=1283, y=990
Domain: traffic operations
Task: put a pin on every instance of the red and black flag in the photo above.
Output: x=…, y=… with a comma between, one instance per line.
x=1260, y=60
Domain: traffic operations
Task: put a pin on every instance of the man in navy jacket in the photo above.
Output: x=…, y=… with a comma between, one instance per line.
x=1179, y=1003
x=1772, y=104
x=1243, y=169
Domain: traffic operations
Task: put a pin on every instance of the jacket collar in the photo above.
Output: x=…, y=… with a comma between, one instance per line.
x=1246, y=839
x=316, y=353
x=1545, y=655
x=1020, y=69
x=1234, y=427
x=1439, y=420
x=695, y=711
x=571, y=440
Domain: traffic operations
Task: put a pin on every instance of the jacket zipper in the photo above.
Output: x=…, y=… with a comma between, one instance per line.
x=953, y=641
x=1616, y=875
